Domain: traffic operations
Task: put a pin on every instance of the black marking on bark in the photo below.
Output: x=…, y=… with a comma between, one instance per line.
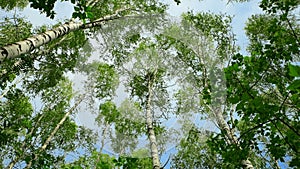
x=32, y=44
x=155, y=166
x=68, y=29
x=61, y=31
x=55, y=33
x=65, y=29
x=4, y=52
x=19, y=46
x=37, y=39
x=44, y=36
x=47, y=35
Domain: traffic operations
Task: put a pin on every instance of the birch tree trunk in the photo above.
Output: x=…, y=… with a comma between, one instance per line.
x=102, y=143
x=231, y=139
x=46, y=143
x=150, y=129
x=16, y=49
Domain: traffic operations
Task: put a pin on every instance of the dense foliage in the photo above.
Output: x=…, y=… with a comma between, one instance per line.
x=151, y=70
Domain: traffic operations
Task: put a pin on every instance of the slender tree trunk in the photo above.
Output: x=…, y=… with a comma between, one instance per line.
x=247, y=164
x=150, y=129
x=218, y=113
x=14, y=161
x=44, y=146
x=16, y=49
x=102, y=143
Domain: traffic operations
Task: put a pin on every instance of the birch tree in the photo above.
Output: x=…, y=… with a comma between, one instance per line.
x=254, y=90
x=202, y=50
x=128, y=7
x=268, y=107
x=144, y=69
x=47, y=56
x=43, y=133
x=252, y=100
x=13, y=50
x=28, y=125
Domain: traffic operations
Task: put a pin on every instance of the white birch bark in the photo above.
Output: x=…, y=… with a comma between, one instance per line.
x=231, y=139
x=150, y=129
x=46, y=143
x=216, y=108
x=16, y=49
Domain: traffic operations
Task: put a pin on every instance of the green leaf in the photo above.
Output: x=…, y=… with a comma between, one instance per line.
x=76, y=8
x=295, y=85
x=294, y=70
x=89, y=15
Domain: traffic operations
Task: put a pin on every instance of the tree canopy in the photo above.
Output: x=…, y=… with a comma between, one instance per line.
x=150, y=84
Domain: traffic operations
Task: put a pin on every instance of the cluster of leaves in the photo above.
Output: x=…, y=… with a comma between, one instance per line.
x=220, y=33
x=99, y=160
x=12, y=30
x=140, y=83
x=264, y=87
x=15, y=116
x=9, y=5
x=193, y=152
x=57, y=58
x=84, y=9
x=127, y=120
x=107, y=81
x=25, y=131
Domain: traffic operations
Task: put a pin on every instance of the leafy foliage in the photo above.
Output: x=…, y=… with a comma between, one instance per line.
x=15, y=117
x=9, y=5
x=84, y=9
x=25, y=131
x=253, y=100
x=12, y=30
x=107, y=81
x=99, y=160
x=195, y=153
x=262, y=84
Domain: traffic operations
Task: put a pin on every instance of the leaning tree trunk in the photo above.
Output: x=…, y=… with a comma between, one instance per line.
x=16, y=49
x=150, y=129
x=216, y=108
x=46, y=143
x=230, y=137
